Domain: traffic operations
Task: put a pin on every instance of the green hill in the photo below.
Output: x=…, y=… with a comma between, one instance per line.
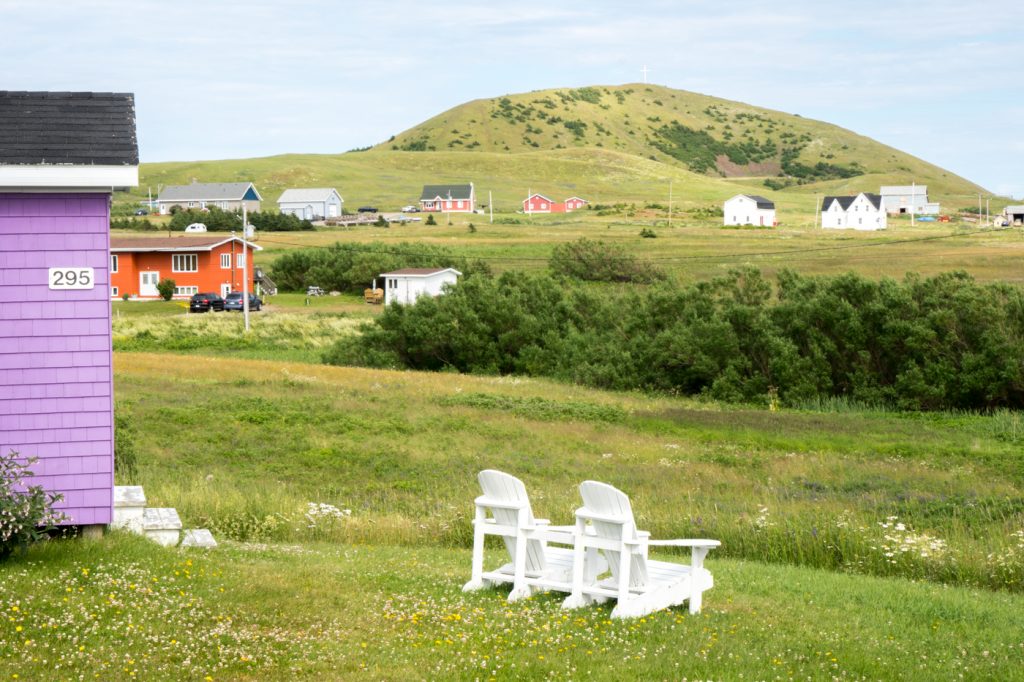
x=703, y=134
x=606, y=144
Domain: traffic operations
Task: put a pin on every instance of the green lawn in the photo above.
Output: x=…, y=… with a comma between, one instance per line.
x=123, y=609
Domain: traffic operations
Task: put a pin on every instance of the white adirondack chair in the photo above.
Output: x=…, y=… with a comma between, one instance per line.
x=640, y=585
x=504, y=510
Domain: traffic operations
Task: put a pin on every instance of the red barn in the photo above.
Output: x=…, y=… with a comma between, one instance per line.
x=208, y=264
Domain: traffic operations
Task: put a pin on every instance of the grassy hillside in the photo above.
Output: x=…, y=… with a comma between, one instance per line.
x=704, y=134
x=607, y=144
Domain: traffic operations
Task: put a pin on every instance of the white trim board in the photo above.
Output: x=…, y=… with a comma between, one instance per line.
x=33, y=178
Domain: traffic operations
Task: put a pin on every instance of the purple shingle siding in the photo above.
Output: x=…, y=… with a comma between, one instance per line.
x=56, y=386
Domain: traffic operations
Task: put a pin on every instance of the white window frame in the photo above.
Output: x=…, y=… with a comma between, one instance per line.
x=180, y=262
x=225, y=261
x=186, y=291
x=113, y=292
x=240, y=259
x=113, y=263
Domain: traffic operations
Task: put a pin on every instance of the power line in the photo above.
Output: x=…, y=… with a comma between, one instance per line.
x=359, y=248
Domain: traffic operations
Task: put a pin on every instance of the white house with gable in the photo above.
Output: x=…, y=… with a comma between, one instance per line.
x=862, y=212
x=406, y=285
x=311, y=204
x=749, y=209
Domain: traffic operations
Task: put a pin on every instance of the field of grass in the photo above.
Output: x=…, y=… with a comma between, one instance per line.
x=121, y=609
x=695, y=249
x=935, y=496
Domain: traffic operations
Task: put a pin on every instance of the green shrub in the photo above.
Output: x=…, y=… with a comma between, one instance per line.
x=597, y=261
x=430, y=220
x=26, y=511
x=165, y=288
x=215, y=219
x=940, y=343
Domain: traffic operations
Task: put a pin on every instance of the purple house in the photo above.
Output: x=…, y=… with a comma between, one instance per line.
x=61, y=156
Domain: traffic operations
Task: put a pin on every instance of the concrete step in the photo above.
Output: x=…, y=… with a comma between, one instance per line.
x=129, y=501
x=161, y=525
x=198, y=537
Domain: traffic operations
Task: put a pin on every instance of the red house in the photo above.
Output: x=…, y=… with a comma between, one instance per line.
x=208, y=264
x=538, y=203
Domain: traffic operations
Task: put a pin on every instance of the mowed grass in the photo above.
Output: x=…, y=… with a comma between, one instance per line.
x=122, y=608
x=244, y=446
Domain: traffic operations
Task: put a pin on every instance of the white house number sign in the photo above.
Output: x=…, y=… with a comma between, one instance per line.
x=71, y=278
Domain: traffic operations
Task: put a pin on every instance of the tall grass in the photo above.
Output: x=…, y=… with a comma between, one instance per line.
x=246, y=446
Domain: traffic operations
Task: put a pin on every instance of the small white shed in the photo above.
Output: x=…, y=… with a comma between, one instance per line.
x=406, y=285
x=749, y=209
x=314, y=203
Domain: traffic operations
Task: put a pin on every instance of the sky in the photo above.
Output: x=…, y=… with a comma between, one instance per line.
x=225, y=79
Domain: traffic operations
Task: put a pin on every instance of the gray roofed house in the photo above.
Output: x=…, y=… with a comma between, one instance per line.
x=312, y=203
x=68, y=139
x=454, y=198
x=229, y=196
x=749, y=209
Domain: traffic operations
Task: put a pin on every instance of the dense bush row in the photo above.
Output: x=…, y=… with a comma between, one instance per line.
x=353, y=267
x=218, y=220
x=936, y=343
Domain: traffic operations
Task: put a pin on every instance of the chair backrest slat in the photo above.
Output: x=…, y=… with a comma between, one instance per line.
x=601, y=499
x=501, y=486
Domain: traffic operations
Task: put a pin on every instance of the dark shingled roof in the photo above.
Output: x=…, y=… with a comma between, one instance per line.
x=761, y=201
x=845, y=202
x=431, y=192
x=80, y=128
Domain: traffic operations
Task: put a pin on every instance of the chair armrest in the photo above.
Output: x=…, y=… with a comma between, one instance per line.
x=710, y=544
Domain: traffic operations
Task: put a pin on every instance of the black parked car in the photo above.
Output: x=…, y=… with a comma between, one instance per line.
x=201, y=303
x=367, y=209
x=234, y=301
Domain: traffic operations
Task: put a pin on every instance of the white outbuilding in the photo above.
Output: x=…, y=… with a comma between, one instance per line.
x=861, y=212
x=406, y=285
x=749, y=209
x=315, y=203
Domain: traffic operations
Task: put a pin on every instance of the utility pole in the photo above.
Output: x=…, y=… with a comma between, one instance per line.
x=645, y=73
x=245, y=266
x=979, y=208
x=817, y=211
x=988, y=215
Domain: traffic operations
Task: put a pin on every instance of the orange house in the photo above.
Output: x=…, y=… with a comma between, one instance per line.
x=196, y=264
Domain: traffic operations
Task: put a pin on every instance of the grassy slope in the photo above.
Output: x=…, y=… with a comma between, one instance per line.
x=620, y=169
x=125, y=609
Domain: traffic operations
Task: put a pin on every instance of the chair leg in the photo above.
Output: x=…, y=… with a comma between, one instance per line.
x=577, y=600
x=476, y=581
x=520, y=590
